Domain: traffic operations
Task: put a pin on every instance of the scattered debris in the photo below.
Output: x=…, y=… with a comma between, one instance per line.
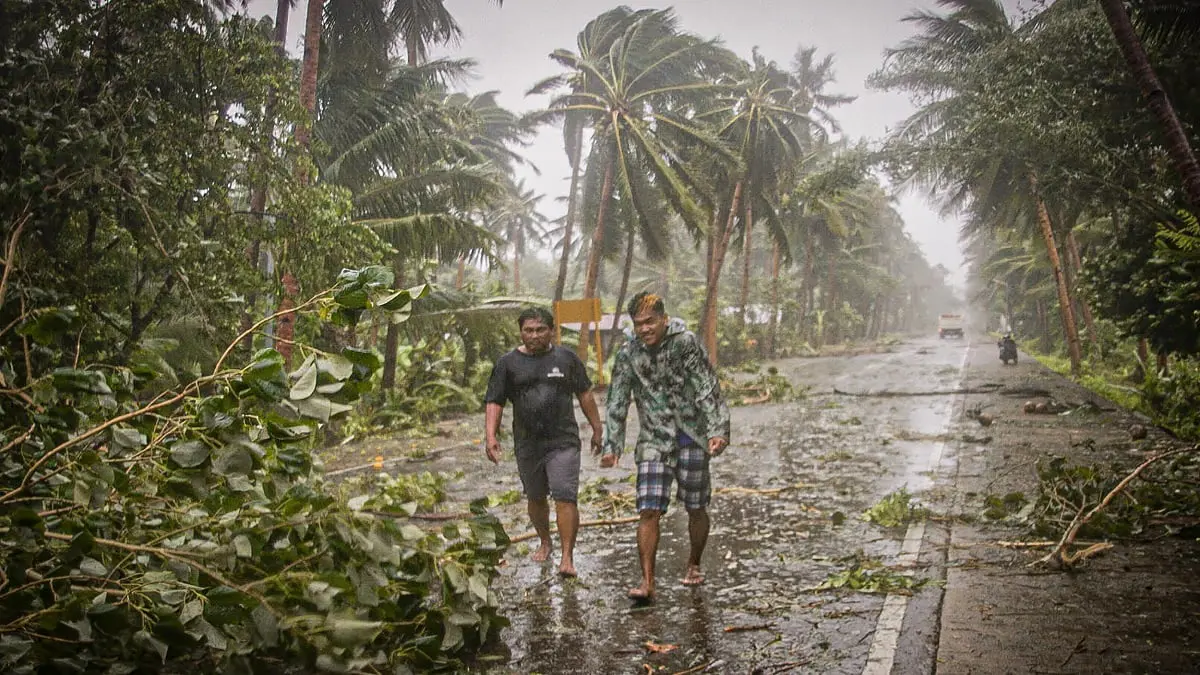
x=657, y=648
x=895, y=509
x=743, y=629
x=1137, y=432
x=982, y=389
x=869, y=575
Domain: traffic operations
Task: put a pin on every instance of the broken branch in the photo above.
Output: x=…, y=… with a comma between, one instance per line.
x=587, y=523
x=985, y=389
x=1080, y=519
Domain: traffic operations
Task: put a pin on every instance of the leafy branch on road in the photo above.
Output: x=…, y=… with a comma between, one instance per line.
x=883, y=393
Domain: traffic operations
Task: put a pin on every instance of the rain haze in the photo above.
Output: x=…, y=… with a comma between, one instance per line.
x=510, y=46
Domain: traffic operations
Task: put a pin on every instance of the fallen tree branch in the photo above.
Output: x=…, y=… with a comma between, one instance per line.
x=986, y=389
x=743, y=629
x=587, y=523
x=1059, y=552
x=1039, y=544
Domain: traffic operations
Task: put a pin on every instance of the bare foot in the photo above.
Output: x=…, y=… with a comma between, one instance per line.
x=543, y=553
x=693, y=577
x=643, y=593
x=567, y=568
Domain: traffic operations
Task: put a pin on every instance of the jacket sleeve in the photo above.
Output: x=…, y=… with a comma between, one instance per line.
x=703, y=380
x=616, y=404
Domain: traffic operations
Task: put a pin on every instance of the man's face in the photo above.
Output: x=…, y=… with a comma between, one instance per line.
x=535, y=335
x=650, y=327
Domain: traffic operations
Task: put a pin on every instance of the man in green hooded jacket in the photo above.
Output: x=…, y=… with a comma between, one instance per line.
x=683, y=423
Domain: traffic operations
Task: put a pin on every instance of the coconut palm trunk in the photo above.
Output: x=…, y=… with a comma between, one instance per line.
x=595, y=252
x=308, y=100
x=773, y=321
x=625, y=274
x=1178, y=147
x=1089, y=321
x=560, y=286
x=1060, y=281
x=747, y=250
x=720, y=246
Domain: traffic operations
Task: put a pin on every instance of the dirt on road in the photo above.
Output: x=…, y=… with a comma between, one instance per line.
x=799, y=581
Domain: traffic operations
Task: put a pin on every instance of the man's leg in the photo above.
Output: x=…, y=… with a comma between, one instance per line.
x=539, y=515
x=698, y=534
x=695, y=492
x=562, y=473
x=568, y=525
x=531, y=467
x=653, y=486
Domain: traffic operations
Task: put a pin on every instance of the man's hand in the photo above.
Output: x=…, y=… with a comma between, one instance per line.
x=608, y=461
x=717, y=445
x=493, y=450
x=597, y=441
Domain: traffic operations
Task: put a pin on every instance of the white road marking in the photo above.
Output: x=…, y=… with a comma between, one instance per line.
x=882, y=656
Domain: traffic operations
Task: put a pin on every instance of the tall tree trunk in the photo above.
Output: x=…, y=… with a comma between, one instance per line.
x=1143, y=364
x=460, y=279
x=1178, y=146
x=747, y=249
x=773, y=320
x=809, y=281
x=391, y=341
x=258, y=193
x=308, y=100
x=596, y=252
x=560, y=286
x=1064, y=296
x=1077, y=263
x=716, y=262
x=828, y=297
x=628, y=269
x=516, y=274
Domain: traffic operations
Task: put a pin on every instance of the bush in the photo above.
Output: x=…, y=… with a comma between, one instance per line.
x=195, y=531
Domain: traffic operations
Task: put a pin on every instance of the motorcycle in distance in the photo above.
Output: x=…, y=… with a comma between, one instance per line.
x=1008, y=349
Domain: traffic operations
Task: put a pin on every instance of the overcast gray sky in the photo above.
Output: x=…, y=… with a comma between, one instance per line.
x=510, y=45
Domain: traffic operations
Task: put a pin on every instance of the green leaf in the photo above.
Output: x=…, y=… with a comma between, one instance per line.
x=321, y=408
x=349, y=632
x=306, y=381
x=478, y=585
x=233, y=460
x=189, y=454
x=148, y=641
x=75, y=380
x=92, y=567
x=47, y=324
x=241, y=544
x=126, y=437
x=265, y=625
x=376, y=276
x=337, y=367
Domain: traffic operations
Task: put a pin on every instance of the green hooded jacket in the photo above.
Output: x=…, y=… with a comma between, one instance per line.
x=676, y=391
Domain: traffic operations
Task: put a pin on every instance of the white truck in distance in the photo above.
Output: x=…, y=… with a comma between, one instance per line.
x=950, y=324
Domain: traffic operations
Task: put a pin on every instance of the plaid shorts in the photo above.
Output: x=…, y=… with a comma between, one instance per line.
x=690, y=471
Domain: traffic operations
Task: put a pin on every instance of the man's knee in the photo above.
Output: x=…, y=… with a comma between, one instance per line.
x=650, y=515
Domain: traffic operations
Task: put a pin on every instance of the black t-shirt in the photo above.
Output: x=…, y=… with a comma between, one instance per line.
x=540, y=388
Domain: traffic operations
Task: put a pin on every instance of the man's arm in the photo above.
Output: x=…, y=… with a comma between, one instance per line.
x=590, y=410
x=709, y=401
x=497, y=394
x=616, y=409
x=494, y=413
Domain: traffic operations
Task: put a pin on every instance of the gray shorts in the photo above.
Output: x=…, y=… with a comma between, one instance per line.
x=552, y=472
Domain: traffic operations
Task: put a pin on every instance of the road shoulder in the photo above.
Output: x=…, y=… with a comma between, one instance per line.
x=1131, y=609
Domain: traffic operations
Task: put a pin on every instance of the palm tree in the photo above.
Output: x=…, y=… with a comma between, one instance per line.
x=937, y=143
x=1178, y=146
x=421, y=23
x=592, y=43
x=516, y=220
x=650, y=66
x=760, y=118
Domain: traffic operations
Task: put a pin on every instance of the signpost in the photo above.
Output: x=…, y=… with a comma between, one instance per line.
x=586, y=312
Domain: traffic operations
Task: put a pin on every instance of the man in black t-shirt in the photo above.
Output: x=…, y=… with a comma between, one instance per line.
x=539, y=379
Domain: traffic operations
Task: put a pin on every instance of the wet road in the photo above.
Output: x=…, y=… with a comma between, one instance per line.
x=836, y=455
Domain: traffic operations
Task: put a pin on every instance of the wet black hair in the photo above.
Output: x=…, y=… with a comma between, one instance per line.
x=645, y=301
x=540, y=313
